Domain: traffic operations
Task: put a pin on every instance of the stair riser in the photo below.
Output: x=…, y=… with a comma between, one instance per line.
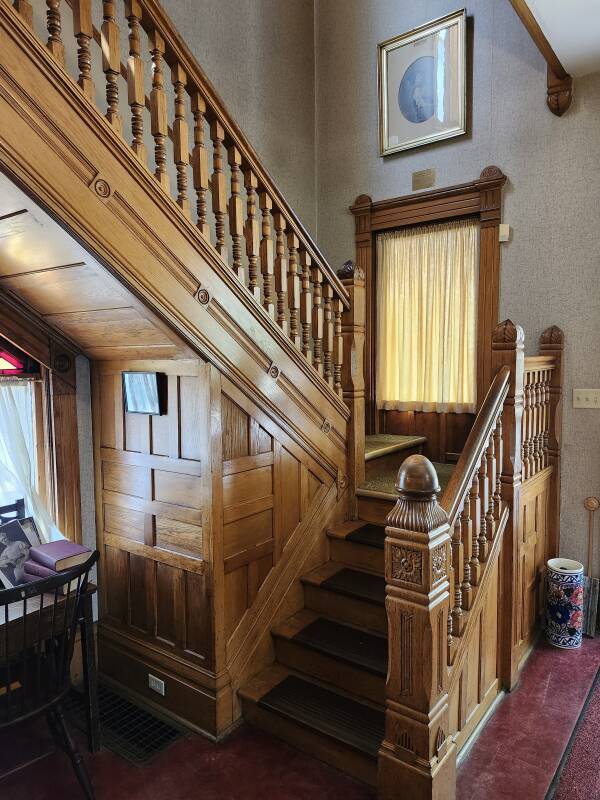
x=357, y=555
x=372, y=509
x=322, y=747
x=345, y=609
x=355, y=681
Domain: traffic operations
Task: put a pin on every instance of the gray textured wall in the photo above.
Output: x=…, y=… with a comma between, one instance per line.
x=259, y=55
x=552, y=200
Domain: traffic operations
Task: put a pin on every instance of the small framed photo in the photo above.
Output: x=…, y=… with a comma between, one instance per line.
x=144, y=392
x=422, y=85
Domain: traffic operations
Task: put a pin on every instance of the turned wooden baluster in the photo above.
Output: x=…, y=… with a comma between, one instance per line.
x=328, y=333
x=535, y=397
x=457, y=567
x=547, y=417
x=317, y=319
x=484, y=502
x=467, y=540
x=338, y=345
x=25, y=10
x=181, y=149
x=236, y=212
x=111, y=62
x=83, y=30
x=252, y=234
x=475, y=510
x=266, y=254
x=54, y=25
x=305, y=304
x=281, y=270
x=490, y=517
x=136, y=94
x=158, y=109
x=217, y=183
x=498, y=450
x=526, y=424
x=293, y=289
x=200, y=172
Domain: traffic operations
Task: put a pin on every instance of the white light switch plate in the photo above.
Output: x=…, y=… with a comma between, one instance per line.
x=586, y=398
x=156, y=684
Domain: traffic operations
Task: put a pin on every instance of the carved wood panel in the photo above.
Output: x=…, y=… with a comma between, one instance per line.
x=474, y=682
x=150, y=502
x=266, y=493
x=533, y=554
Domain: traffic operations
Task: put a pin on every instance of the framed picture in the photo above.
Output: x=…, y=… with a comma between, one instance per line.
x=144, y=392
x=422, y=85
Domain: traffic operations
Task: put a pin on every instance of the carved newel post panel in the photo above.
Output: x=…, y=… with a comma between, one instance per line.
x=418, y=757
x=353, y=374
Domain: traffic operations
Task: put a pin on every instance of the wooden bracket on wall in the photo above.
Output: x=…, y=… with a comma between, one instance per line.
x=559, y=83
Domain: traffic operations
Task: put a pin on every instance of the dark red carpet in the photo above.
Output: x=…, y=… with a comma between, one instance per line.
x=248, y=766
x=520, y=749
x=580, y=778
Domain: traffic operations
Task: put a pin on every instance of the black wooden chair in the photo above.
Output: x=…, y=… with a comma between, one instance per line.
x=15, y=510
x=38, y=624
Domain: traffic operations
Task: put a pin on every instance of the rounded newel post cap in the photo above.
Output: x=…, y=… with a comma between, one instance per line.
x=417, y=475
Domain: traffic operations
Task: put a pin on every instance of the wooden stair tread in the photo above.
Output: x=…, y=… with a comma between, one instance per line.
x=383, y=444
x=369, y=534
x=357, y=584
x=358, y=648
x=347, y=721
x=382, y=484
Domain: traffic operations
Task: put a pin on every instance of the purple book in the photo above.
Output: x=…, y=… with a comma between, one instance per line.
x=33, y=568
x=60, y=555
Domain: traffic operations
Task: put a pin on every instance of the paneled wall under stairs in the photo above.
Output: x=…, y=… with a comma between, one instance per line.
x=207, y=516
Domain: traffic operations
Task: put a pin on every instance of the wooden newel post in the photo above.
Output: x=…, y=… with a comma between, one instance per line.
x=552, y=342
x=508, y=350
x=353, y=375
x=417, y=759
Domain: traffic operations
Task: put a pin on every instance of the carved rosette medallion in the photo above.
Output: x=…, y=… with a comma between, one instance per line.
x=407, y=565
x=203, y=296
x=438, y=563
x=102, y=188
x=62, y=363
x=274, y=371
x=326, y=426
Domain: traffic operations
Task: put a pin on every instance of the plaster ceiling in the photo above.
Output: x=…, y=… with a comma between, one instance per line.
x=573, y=31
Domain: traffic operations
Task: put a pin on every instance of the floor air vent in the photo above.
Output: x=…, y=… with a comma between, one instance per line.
x=127, y=729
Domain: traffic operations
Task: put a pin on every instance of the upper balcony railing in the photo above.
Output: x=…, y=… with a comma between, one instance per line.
x=131, y=63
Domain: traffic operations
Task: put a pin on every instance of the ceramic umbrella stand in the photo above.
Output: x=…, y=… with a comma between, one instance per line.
x=564, y=603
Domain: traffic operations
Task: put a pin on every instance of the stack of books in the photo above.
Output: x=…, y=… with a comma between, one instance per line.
x=24, y=558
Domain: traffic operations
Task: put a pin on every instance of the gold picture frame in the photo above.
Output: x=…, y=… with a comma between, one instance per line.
x=422, y=84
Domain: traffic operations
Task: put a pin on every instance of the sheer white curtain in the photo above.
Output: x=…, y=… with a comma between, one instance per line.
x=17, y=455
x=426, y=318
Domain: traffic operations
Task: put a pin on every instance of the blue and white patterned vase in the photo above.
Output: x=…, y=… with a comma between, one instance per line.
x=564, y=603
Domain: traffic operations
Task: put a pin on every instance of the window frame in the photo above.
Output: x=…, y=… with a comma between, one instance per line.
x=480, y=199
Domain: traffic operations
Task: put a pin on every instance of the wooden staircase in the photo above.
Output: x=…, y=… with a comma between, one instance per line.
x=326, y=691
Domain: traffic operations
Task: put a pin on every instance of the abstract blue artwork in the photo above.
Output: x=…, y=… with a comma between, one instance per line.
x=416, y=94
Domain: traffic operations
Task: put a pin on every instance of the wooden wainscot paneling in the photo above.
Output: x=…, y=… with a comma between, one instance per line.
x=534, y=551
x=276, y=501
x=152, y=497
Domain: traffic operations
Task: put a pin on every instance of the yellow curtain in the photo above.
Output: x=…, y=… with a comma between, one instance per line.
x=426, y=318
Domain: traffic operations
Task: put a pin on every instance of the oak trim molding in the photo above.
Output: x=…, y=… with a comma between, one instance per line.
x=559, y=92
x=480, y=199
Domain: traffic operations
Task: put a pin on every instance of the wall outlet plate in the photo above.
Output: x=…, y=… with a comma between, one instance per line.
x=156, y=684
x=503, y=232
x=586, y=398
